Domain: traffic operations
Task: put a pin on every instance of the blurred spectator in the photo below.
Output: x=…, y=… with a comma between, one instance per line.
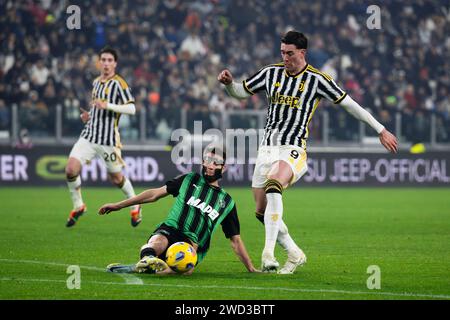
x=24, y=140
x=410, y=97
x=421, y=127
x=171, y=51
x=39, y=74
x=387, y=119
x=192, y=46
x=71, y=114
x=5, y=116
x=33, y=115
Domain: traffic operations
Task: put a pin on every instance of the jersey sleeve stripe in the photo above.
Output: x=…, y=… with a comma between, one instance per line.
x=129, y=96
x=246, y=88
x=258, y=81
x=341, y=98
x=122, y=95
x=330, y=90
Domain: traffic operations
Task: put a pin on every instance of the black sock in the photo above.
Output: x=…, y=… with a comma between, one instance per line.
x=148, y=252
x=260, y=217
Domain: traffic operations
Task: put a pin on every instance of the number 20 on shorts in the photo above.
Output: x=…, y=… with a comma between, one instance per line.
x=110, y=157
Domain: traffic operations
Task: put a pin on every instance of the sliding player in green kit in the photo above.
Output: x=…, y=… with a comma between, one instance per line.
x=200, y=206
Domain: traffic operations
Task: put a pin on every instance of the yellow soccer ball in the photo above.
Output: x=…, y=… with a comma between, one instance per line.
x=181, y=257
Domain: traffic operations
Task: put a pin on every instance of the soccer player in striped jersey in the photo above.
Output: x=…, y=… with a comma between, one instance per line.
x=293, y=89
x=200, y=207
x=111, y=97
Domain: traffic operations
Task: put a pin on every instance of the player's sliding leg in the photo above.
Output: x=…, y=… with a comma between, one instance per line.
x=73, y=179
x=151, y=265
x=121, y=268
x=125, y=185
x=149, y=262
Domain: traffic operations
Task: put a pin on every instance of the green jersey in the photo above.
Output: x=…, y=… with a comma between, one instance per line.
x=198, y=210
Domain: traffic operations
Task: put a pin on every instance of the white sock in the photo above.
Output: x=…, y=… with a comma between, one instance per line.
x=75, y=192
x=272, y=218
x=285, y=240
x=128, y=189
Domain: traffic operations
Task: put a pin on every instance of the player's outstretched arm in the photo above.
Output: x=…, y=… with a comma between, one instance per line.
x=236, y=90
x=150, y=195
x=387, y=139
x=239, y=248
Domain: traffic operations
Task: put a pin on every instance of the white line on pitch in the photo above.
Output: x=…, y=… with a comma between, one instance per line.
x=129, y=278
x=434, y=296
x=140, y=282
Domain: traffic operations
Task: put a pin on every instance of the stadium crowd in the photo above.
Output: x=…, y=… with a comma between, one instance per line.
x=170, y=52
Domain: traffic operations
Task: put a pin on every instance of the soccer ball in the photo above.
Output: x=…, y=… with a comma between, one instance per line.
x=181, y=257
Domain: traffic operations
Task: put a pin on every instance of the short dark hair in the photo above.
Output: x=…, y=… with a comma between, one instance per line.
x=296, y=38
x=216, y=150
x=109, y=50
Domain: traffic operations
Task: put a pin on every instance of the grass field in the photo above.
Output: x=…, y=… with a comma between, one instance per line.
x=406, y=232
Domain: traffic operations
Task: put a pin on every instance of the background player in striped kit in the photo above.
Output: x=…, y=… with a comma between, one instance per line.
x=100, y=137
x=200, y=206
x=293, y=89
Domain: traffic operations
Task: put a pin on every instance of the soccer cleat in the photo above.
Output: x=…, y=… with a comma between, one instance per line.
x=150, y=264
x=136, y=216
x=269, y=264
x=75, y=214
x=294, y=260
x=120, y=268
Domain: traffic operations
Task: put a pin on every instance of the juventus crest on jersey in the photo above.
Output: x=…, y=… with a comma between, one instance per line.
x=103, y=125
x=292, y=101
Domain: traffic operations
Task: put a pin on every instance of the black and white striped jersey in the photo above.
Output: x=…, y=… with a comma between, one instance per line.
x=103, y=125
x=292, y=101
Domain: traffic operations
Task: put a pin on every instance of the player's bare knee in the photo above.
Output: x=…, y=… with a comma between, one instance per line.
x=72, y=169
x=117, y=179
x=158, y=243
x=282, y=173
x=71, y=173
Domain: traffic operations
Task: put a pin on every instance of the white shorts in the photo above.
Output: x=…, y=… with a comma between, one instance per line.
x=267, y=155
x=85, y=151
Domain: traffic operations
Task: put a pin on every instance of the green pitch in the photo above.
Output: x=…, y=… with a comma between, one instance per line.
x=405, y=232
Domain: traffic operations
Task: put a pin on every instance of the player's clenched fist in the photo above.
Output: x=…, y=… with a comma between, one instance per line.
x=84, y=115
x=225, y=77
